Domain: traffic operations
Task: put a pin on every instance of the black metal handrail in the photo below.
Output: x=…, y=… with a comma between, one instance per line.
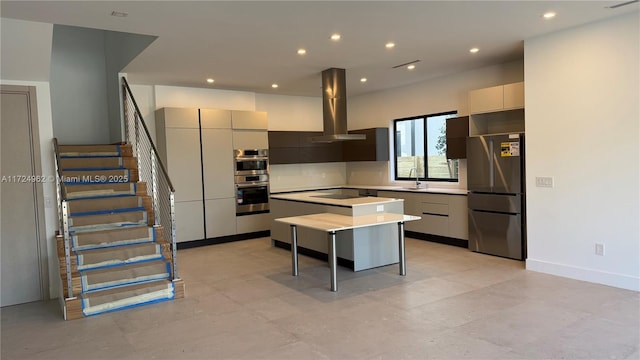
x=127, y=91
x=162, y=191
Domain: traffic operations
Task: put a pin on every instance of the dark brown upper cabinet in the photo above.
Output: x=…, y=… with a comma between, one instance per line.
x=457, y=132
x=374, y=148
x=296, y=147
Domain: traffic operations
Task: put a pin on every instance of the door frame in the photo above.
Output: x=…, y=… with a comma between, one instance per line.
x=36, y=168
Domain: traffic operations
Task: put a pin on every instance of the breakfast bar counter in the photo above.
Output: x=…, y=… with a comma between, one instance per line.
x=359, y=248
x=333, y=223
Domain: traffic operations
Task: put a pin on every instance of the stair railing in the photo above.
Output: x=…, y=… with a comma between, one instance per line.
x=152, y=171
x=63, y=218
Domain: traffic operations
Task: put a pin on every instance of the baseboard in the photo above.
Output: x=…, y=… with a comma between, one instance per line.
x=222, y=239
x=584, y=274
x=313, y=253
x=437, y=239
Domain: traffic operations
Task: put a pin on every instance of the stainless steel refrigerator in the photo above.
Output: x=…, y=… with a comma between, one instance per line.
x=495, y=180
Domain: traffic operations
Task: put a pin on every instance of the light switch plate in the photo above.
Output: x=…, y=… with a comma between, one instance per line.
x=544, y=181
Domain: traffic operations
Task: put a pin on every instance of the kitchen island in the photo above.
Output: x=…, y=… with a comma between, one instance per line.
x=360, y=248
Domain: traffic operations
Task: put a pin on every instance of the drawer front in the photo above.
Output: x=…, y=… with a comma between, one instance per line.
x=435, y=209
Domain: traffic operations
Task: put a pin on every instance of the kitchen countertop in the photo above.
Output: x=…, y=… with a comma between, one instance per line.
x=431, y=190
x=312, y=197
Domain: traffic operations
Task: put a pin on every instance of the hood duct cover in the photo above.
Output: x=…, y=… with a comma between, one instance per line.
x=334, y=108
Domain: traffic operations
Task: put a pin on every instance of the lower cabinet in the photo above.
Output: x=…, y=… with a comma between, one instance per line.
x=221, y=217
x=253, y=223
x=189, y=221
x=442, y=214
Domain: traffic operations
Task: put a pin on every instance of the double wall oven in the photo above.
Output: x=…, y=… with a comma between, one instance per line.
x=252, y=181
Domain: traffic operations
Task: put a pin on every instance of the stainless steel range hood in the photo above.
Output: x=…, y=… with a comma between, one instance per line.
x=334, y=108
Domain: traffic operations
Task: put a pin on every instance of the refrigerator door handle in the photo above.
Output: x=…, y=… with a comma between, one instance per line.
x=491, y=169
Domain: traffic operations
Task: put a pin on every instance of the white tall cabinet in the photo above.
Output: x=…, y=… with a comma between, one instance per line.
x=197, y=147
x=217, y=167
x=178, y=135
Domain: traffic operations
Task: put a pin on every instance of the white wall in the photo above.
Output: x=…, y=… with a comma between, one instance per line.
x=176, y=96
x=291, y=113
x=26, y=50
x=582, y=125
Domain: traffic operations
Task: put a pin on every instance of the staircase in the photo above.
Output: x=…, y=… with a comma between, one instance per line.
x=113, y=252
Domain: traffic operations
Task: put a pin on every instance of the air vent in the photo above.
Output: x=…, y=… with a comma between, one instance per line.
x=622, y=4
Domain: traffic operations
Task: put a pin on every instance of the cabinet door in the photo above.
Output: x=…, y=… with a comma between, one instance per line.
x=250, y=139
x=284, y=147
x=217, y=163
x=457, y=132
x=374, y=148
x=251, y=120
x=180, y=117
x=220, y=217
x=183, y=162
x=253, y=223
x=514, y=96
x=215, y=119
x=486, y=100
x=458, y=217
x=189, y=221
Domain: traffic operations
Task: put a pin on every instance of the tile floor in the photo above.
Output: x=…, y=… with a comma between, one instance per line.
x=242, y=303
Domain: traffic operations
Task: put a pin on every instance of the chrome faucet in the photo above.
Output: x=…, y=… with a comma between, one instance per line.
x=417, y=176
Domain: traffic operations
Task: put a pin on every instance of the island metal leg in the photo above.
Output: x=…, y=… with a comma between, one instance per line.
x=294, y=251
x=403, y=264
x=333, y=260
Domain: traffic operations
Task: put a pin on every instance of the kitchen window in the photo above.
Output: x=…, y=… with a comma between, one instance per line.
x=413, y=136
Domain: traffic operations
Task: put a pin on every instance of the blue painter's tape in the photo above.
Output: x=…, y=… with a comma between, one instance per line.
x=101, y=197
x=136, y=305
x=111, y=266
x=107, y=212
x=164, y=277
x=93, y=168
x=141, y=241
x=89, y=157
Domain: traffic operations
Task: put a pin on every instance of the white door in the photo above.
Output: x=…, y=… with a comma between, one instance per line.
x=22, y=244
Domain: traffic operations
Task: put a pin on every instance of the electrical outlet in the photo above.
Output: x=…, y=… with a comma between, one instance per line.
x=544, y=181
x=600, y=249
x=380, y=208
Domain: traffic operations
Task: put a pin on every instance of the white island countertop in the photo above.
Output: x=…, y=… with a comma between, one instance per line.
x=336, y=222
x=319, y=197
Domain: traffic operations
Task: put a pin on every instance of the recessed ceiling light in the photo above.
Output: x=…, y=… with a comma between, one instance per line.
x=549, y=15
x=390, y=45
x=275, y=86
x=474, y=50
x=210, y=80
x=411, y=67
x=363, y=80
x=336, y=37
x=302, y=51
x=119, y=14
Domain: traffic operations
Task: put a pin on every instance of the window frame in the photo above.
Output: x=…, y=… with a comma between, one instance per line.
x=426, y=157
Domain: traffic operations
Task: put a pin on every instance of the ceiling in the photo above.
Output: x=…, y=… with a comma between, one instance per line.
x=250, y=45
